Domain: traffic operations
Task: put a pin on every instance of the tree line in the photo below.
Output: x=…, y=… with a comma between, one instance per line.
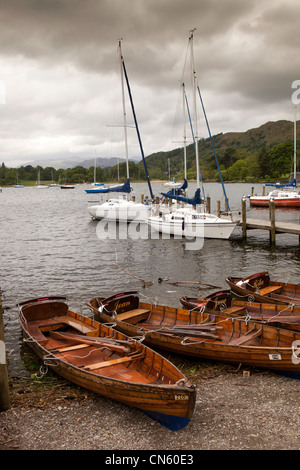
x=29, y=175
x=236, y=164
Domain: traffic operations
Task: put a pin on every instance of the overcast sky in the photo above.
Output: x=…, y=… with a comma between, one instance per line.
x=60, y=84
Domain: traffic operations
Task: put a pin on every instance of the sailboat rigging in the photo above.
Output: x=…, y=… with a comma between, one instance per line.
x=96, y=187
x=123, y=209
x=189, y=221
x=176, y=188
x=101, y=188
x=171, y=183
x=39, y=185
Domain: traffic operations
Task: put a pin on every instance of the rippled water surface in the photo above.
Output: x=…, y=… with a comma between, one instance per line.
x=49, y=246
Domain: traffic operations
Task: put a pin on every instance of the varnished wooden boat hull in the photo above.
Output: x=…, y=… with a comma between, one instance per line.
x=149, y=382
x=278, y=315
x=160, y=330
x=261, y=289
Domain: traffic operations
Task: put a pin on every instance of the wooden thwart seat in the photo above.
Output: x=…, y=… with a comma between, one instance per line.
x=36, y=328
x=269, y=290
x=133, y=313
x=34, y=331
x=77, y=325
x=72, y=348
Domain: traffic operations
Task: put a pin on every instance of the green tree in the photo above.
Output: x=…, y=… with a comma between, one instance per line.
x=46, y=173
x=263, y=162
x=30, y=172
x=238, y=171
x=3, y=170
x=281, y=159
x=229, y=157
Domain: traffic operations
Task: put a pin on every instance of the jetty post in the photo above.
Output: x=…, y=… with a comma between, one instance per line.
x=4, y=387
x=218, y=208
x=244, y=219
x=272, y=221
x=226, y=206
x=208, y=204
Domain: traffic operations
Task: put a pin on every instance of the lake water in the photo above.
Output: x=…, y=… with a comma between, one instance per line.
x=49, y=246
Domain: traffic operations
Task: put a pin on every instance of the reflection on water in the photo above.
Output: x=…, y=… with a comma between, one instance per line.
x=49, y=247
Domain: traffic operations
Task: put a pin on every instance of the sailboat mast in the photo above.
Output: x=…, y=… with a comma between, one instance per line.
x=295, y=145
x=195, y=105
x=124, y=108
x=184, y=130
x=213, y=147
x=137, y=128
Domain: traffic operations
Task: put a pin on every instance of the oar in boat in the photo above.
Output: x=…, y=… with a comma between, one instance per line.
x=204, y=331
x=111, y=343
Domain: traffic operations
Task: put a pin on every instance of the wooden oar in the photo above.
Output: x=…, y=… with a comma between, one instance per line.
x=188, y=332
x=93, y=341
x=198, y=326
x=183, y=331
x=188, y=327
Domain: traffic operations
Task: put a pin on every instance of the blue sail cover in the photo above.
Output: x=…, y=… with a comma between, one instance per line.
x=184, y=186
x=123, y=188
x=288, y=185
x=194, y=201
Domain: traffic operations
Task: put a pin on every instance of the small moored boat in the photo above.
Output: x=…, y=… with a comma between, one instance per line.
x=260, y=288
x=67, y=186
x=100, y=359
x=188, y=222
x=281, y=198
x=197, y=333
x=280, y=315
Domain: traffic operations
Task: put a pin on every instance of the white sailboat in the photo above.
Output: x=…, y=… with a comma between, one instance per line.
x=282, y=195
x=67, y=185
x=187, y=222
x=171, y=183
x=122, y=209
x=39, y=184
x=192, y=220
x=96, y=187
x=53, y=184
x=18, y=185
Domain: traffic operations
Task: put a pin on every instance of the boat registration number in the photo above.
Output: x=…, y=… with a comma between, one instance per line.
x=181, y=397
x=275, y=357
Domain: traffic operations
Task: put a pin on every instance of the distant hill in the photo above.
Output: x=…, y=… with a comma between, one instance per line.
x=76, y=161
x=252, y=141
x=101, y=162
x=264, y=153
x=268, y=135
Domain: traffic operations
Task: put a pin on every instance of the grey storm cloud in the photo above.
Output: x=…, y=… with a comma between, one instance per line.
x=58, y=57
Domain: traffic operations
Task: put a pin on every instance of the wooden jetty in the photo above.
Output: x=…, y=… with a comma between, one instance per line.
x=272, y=226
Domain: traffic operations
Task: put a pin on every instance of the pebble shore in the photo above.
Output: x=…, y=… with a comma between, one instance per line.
x=235, y=410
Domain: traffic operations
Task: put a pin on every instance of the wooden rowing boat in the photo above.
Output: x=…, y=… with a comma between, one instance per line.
x=198, y=333
x=279, y=315
x=100, y=359
x=260, y=288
